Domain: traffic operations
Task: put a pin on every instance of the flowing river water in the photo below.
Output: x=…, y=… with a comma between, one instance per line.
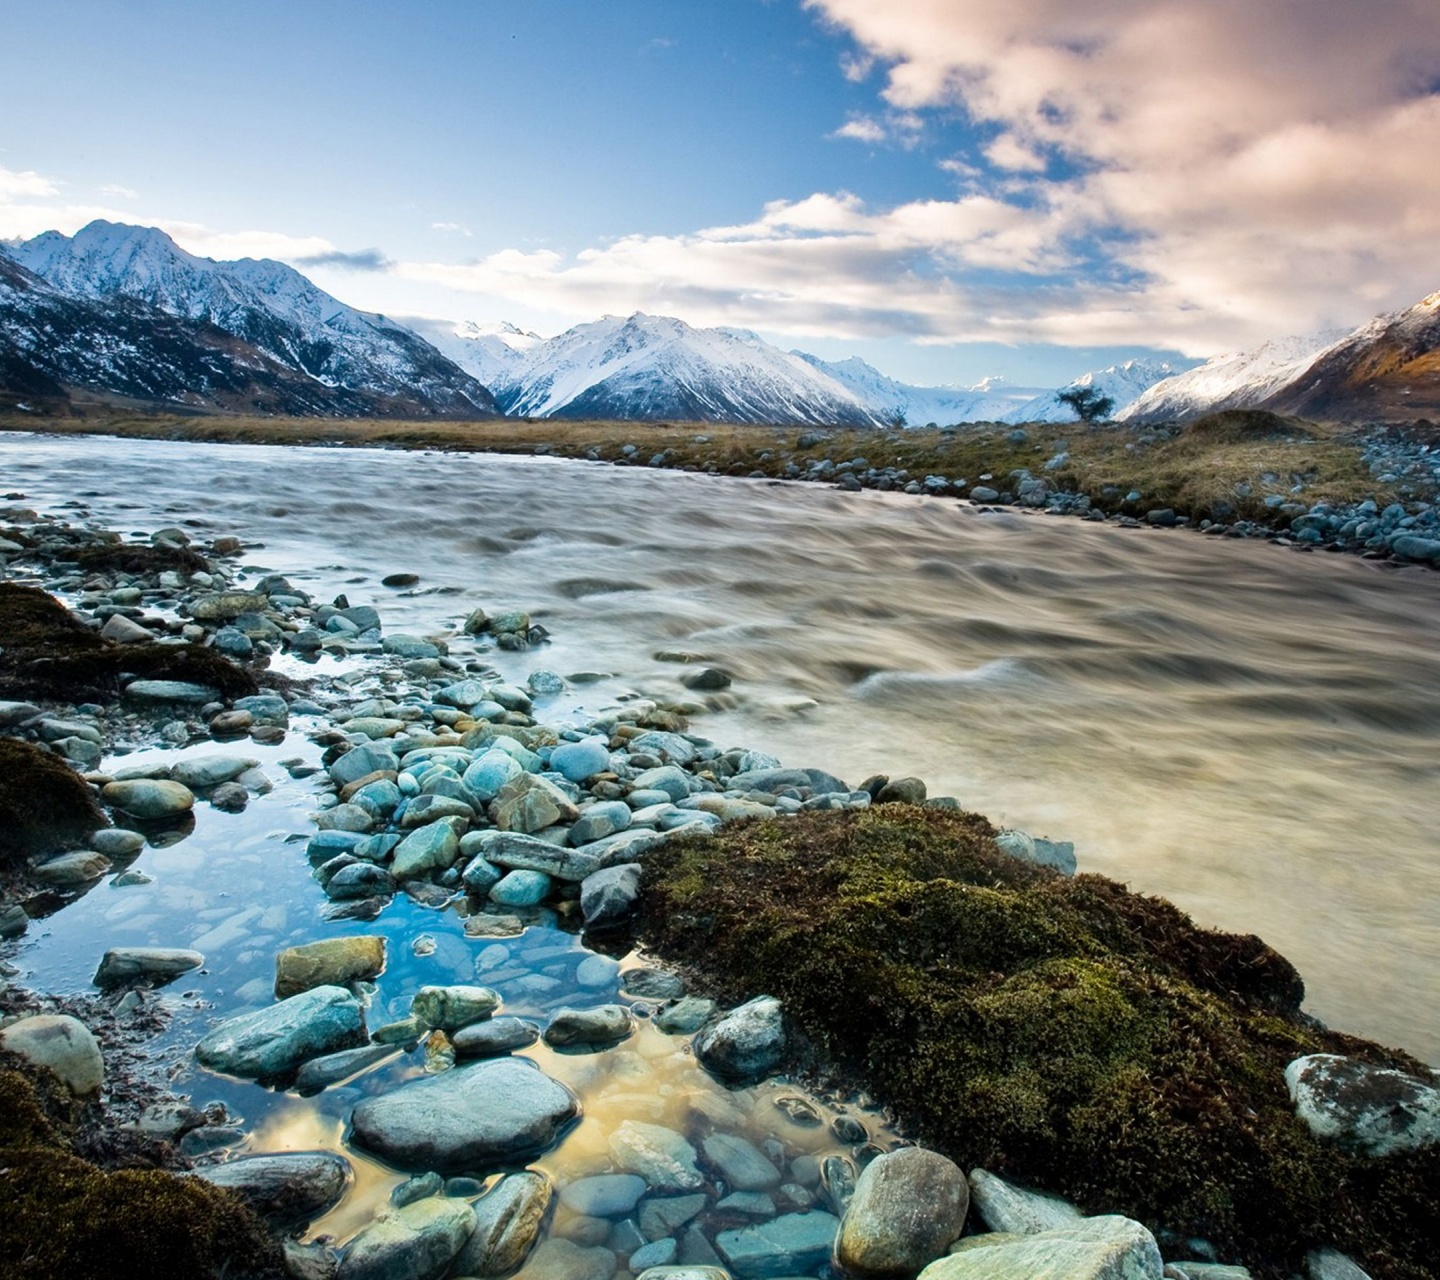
x=1250, y=732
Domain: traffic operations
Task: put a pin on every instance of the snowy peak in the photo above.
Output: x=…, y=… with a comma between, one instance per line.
x=1122, y=383
x=267, y=304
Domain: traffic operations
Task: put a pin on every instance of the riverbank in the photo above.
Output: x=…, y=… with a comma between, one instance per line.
x=1241, y=474
x=445, y=720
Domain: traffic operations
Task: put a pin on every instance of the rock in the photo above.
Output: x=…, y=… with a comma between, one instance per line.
x=230, y=797
x=361, y=762
x=607, y=1195
x=902, y=791
x=201, y=772
x=652, y=984
x=659, y=1254
x=1059, y=854
x=684, y=1272
x=670, y=747
x=171, y=691
x=115, y=842
x=14, y=714
x=221, y=606
x=494, y=1036
x=909, y=1207
x=675, y=783
x=604, y=1025
x=450, y=1008
x=71, y=869
x=149, y=799
x=271, y=1043
x=706, y=680
x=740, y=1163
x=1375, y=1111
x=600, y=820
x=489, y=773
x=359, y=880
x=560, y=1259
x=530, y=803
x=13, y=920
x=580, y=760
x=793, y=1245
x=772, y=780
x=123, y=630
x=62, y=1043
x=1011, y=1209
x=1209, y=1271
x=749, y=1204
x=508, y=1218
x=433, y=847
x=158, y=965
x=416, y=1242
x=685, y=1016
x=321, y=1073
x=748, y=1042
x=1103, y=1248
x=659, y=1155
x=1412, y=547
x=286, y=1190
x=471, y=1117
x=329, y=962
x=663, y=1217
x=1331, y=1264
x=983, y=493
x=521, y=889
x=265, y=709
x=520, y=852
x=607, y=897
x=425, y=809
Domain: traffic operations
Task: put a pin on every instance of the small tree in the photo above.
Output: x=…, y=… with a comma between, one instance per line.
x=1088, y=403
x=897, y=421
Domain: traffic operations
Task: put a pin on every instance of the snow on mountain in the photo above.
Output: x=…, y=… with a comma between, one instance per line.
x=647, y=368
x=269, y=305
x=888, y=398
x=493, y=354
x=1236, y=380
x=1121, y=382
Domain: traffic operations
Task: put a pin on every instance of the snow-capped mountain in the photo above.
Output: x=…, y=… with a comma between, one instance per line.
x=55, y=346
x=269, y=305
x=493, y=354
x=989, y=401
x=1387, y=370
x=1236, y=380
x=649, y=368
x=1121, y=382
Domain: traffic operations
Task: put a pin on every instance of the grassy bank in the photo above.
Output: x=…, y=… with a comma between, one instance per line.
x=1221, y=468
x=1065, y=1032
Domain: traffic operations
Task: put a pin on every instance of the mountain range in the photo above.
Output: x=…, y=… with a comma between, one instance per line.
x=122, y=313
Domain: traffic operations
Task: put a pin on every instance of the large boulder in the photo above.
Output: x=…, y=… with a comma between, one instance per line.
x=416, y=1242
x=61, y=1043
x=469, y=1119
x=1006, y=1207
x=1104, y=1248
x=909, y=1207
x=286, y=1189
x=507, y=1224
x=271, y=1043
x=1376, y=1111
x=745, y=1044
x=329, y=962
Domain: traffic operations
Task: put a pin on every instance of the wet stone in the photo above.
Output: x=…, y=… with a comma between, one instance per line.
x=748, y=1042
x=507, y=1223
x=909, y=1207
x=608, y=896
x=494, y=1036
x=272, y=1042
x=450, y=1008
x=321, y=1073
x=122, y=965
x=604, y=1025
x=652, y=984
x=149, y=798
x=416, y=1240
x=331, y=961
x=286, y=1190
x=742, y=1165
x=659, y=1155
x=686, y=1015
x=1100, y=1248
x=1008, y=1208
x=607, y=1195
x=796, y=1244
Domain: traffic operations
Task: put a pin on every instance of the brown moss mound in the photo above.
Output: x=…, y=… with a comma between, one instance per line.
x=1063, y=1031
x=46, y=653
x=141, y=558
x=44, y=804
x=1245, y=426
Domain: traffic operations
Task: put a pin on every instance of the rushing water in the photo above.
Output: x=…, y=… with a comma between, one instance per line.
x=1250, y=732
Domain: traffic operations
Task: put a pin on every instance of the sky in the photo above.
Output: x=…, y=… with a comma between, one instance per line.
x=952, y=189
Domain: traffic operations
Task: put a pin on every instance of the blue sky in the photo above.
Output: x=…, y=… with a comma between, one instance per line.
x=948, y=191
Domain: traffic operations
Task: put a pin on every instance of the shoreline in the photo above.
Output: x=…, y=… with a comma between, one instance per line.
x=1238, y=474
x=660, y=727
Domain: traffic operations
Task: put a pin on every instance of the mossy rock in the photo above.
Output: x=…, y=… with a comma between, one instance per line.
x=1064, y=1032
x=141, y=558
x=45, y=806
x=47, y=653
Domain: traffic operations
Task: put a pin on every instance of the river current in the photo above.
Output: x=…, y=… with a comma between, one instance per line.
x=1251, y=732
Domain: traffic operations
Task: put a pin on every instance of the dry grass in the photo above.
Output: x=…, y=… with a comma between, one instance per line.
x=1200, y=470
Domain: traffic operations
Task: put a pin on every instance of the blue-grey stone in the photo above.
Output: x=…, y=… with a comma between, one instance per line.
x=608, y=896
x=796, y=1244
x=603, y=1025
x=272, y=1042
x=521, y=889
x=494, y=1036
x=674, y=783
x=489, y=773
x=580, y=760
x=606, y=1195
x=361, y=761
x=748, y=1042
x=415, y=1242
x=433, y=847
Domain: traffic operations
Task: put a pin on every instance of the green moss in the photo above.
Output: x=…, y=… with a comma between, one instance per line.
x=1064, y=1031
x=47, y=653
x=44, y=804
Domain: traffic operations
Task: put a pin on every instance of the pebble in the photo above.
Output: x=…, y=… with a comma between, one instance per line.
x=149, y=799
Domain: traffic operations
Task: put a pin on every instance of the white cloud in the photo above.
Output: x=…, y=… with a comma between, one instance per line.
x=861, y=129
x=116, y=192
x=856, y=67
x=1266, y=167
x=456, y=228
x=28, y=185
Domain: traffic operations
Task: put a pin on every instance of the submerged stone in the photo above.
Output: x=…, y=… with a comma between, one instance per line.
x=507, y=1223
x=286, y=1189
x=273, y=1042
x=793, y=1245
x=416, y=1242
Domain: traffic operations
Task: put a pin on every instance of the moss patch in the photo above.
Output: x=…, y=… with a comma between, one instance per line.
x=47, y=653
x=44, y=804
x=61, y=1216
x=1062, y=1031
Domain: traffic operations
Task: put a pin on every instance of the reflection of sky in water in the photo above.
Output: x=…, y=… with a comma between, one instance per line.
x=1247, y=731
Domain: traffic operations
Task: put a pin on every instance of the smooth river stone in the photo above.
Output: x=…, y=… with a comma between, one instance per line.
x=606, y=1195
x=450, y=1008
x=329, y=962
x=507, y=1224
x=416, y=1242
x=286, y=1189
x=494, y=1036
x=62, y=1043
x=149, y=798
x=272, y=1042
x=794, y=1245
x=1006, y=1207
x=470, y=1119
x=659, y=1155
x=909, y=1207
x=1103, y=1248
x=210, y=771
x=136, y=964
x=746, y=1043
